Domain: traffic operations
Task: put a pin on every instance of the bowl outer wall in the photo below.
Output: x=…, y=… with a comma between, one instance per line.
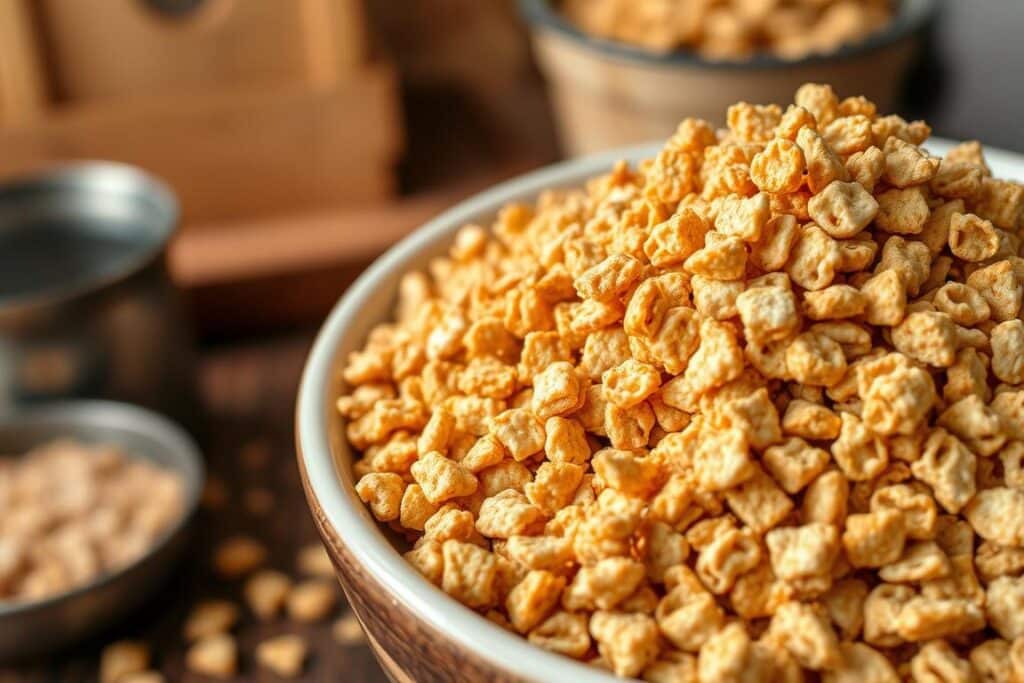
x=325, y=457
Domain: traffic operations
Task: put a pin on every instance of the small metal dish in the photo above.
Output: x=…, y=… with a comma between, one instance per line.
x=33, y=628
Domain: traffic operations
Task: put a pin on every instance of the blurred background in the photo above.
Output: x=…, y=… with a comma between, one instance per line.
x=301, y=138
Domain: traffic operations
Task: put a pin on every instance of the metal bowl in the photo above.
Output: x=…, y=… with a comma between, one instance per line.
x=87, y=309
x=33, y=628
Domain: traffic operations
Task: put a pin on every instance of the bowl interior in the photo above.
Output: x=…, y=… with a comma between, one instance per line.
x=138, y=432
x=327, y=457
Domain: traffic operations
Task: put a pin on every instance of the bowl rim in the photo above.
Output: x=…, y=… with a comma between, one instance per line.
x=128, y=417
x=345, y=514
x=911, y=17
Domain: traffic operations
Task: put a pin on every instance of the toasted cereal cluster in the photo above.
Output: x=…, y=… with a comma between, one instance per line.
x=70, y=512
x=752, y=409
x=732, y=29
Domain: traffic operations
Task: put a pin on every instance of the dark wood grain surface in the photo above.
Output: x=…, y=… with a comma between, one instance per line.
x=248, y=390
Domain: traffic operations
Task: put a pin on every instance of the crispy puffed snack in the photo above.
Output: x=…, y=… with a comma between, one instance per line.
x=750, y=410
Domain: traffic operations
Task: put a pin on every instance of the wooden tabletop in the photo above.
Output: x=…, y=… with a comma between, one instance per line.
x=248, y=391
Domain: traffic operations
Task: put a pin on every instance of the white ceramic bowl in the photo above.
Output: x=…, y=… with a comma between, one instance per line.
x=417, y=631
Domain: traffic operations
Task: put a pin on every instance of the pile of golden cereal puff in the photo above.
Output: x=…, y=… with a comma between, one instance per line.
x=753, y=409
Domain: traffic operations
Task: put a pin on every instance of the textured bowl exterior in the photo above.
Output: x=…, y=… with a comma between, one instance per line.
x=417, y=632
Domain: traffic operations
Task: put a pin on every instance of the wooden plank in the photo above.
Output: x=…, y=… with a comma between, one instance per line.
x=23, y=86
x=126, y=47
x=236, y=152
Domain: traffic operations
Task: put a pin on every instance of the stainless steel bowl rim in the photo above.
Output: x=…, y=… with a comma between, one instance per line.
x=113, y=414
x=911, y=17
x=79, y=176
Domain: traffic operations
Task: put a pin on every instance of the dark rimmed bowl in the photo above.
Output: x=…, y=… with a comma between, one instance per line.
x=31, y=629
x=607, y=94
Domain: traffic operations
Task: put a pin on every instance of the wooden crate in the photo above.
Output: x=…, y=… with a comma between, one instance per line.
x=118, y=48
x=236, y=152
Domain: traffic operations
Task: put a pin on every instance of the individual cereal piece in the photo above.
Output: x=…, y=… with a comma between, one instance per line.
x=795, y=463
x=972, y=238
x=754, y=414
x=551, y=553
x=759, y=593
x=961, y=303
x=726, y=558
x=935, y=234
x=794, y=118
x=834, y=302
x=816, y=359
x=603, y=585
x=526, y=311
x=938, y=661
x=284, y=655
x=266, y=592
x=927, y=337
x=1007, y=340
x=814, y=259
x=957, y=180
x=843, y=209
x=778, y=237
x=886, y=298
x=722, y=460
x=906, y=164
x=768, y=313
x=519, y=433
x=688, y=617
x=214, y=656
x=313, y=560
x=910, y=258
x=866, y=167
x=557, y=390
x=237, y=556
x=671, y=668
x=487, y=337
x=802, y=552
x=437, y=433
x=874, y=539
x=566, y=440
x=752, y=122
x=897, y=395
x=311, y=600
x=991, y=660
x=730, y=655
x=994, y=560
x=628, y=642
x=949, y=468
x=923, y=619
x=860, y=664
x=716, y=298
x=541, y=349
x=509, y=513
x=823, y=164
x=723, y=257
x=665, y=549
x=922, y=561
x=810, y=420
x=533, y=599
x=807, y=634
x=487, y=451
x=427, y=559
x=974, y=423
x=1009, y=405
x=994, y=515
x=442, y=479
x=627, y=472
x=122, y=659
x=383, y=493
x=507, y=474
x=1001, y=201
x=628, y=428
x=563, y=632
x=881, y=610
x=820, y=100
x=609, y=278
x=553, y=486
x=607, y=348
x=743, y=217
x=470, y=574
x=779, y=167
x=825, y=498
x=917, y=508
x=759, y=502
x=674, y=240
x=902, y=211
x=644, y=316
x=1004, y=606
x=1001, y=288
x=630, y=382
x=849, y=134
x=844, y=602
